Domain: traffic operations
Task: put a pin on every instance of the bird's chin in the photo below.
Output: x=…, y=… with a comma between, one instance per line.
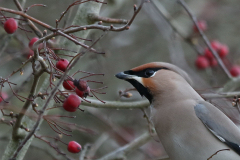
x=136, y=82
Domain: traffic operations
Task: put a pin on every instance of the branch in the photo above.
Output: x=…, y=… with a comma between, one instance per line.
x=75, y=41
x=175, y=27
x=84, y=151
x=30, y=24
x=95, y=17
x=21, y=67
x=21, y=13
x=97, y=144
x=117, y=105
x=79, y=27
x=37, y=74
x=230, y=85
x=220, y=95
x=115, y=129
x=125, y=150
x=15, y=134
x=206, y=40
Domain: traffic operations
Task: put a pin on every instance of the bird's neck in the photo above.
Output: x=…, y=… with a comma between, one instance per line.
x=178, y=92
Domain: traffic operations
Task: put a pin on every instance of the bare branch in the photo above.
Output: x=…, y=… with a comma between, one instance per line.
x=117, y=105
x=125, y=150
x=95, y=17
x=220, y=95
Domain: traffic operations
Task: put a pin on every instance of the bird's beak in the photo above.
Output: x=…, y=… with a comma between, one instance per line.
x=124, y=76
x=128, y=77
x=137, y=82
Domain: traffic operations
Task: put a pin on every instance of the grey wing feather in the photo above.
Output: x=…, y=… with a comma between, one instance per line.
x=219, y=124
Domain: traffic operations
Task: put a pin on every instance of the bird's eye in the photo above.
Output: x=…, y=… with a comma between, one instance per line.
x=149, y=72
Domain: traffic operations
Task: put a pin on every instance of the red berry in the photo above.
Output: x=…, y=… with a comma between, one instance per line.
x=81, y=84
x=213, y=62
x=223, y=51
x=33, y=40
x=74, y=147
x=4, y=96
x=235, y=71
x=215, y=45
x=208, y=54
x=202, y=25
x=68, y=85
x=10, y=25
x=82, y=93
x=79, y=93
x=62, y=64
x=41, y=46
x=71, y=103
x=30, y=54
x=202, y=62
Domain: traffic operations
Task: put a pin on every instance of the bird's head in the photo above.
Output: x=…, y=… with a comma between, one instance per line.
x=153, y=78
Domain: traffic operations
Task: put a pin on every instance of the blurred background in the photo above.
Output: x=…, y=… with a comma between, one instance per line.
x=152, y=37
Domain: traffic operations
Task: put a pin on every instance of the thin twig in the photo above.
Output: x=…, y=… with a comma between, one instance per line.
x=21, y=13
x=217, y=153
x=161, y=10
x=31, y=25
x=95, y=17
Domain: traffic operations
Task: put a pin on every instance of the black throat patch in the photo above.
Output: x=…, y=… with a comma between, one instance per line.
x=141, y=89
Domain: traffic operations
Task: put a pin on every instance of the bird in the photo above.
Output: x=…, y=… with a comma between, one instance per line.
x=188, y=127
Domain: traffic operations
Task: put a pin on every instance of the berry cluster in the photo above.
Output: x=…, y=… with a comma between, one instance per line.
x=46, y=59
x=78, y=88
x=82, y=90
x=207, y=58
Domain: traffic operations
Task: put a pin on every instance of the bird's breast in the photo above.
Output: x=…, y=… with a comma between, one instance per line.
x=182, y=134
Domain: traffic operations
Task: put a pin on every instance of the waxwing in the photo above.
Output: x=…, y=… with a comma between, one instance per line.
x=188, y=127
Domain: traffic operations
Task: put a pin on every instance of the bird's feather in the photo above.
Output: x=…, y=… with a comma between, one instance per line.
x=219, y=124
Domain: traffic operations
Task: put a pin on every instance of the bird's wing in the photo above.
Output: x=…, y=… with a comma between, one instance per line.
x=219, y=124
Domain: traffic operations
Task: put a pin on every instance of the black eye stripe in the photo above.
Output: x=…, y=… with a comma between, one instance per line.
x=149, y=72
x=146, y=73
